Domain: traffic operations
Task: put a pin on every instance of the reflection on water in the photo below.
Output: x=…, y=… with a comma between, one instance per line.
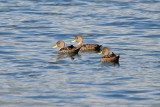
x=30, y=75
x=60, y=57
x=63, y=56
x=114, y=64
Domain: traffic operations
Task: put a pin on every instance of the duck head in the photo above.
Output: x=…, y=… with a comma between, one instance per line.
x=60, y=44
x=105, y=51
x=78, y=39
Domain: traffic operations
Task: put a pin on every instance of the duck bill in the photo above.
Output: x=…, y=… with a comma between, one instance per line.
x=100, y=53
x=55, y=46
x=74, y=40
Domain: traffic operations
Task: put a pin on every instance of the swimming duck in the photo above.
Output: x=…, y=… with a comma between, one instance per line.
x=108, y=57
x=67, y=50
x=86, y=47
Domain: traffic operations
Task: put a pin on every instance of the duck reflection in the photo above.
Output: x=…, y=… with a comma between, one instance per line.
x=114, y=64
x=63, y=56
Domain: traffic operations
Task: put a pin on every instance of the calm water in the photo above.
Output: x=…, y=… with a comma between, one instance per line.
x=30, y=75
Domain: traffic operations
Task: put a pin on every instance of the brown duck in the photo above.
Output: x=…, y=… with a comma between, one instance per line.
x=86, y=47
x=66, y=50
x=109, y=57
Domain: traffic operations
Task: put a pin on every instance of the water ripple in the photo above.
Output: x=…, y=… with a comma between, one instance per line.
x=33, y=74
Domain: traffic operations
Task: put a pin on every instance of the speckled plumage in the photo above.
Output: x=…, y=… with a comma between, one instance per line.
x=109, y=57
x=86, y=47
x=69, y=49
x=66, y=50
x=93, y=47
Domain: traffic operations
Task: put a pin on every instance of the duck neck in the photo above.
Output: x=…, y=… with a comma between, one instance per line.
x=62, y=46
x=79, y=44
x=107, y=54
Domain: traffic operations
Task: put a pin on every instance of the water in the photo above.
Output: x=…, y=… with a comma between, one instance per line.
x=30, y=75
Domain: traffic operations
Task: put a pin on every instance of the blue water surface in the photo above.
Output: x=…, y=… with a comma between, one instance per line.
x=33, y=74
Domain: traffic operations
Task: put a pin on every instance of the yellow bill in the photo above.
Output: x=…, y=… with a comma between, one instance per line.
x=55, y=46
x=74, y=40
x=100, y=52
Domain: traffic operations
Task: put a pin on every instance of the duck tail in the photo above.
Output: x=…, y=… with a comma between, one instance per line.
x=118, y=56
x=71, y=46
x=113, y=54
x=98, y=48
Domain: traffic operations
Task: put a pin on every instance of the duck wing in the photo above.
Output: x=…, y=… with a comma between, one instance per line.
x=106, y=56
x=114, y=55
x=69, y=49
x=90, y=46
x=110, y=58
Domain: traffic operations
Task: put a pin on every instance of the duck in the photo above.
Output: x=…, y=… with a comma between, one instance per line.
x=86, y=47
x=66, y=50
x=109, y=57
